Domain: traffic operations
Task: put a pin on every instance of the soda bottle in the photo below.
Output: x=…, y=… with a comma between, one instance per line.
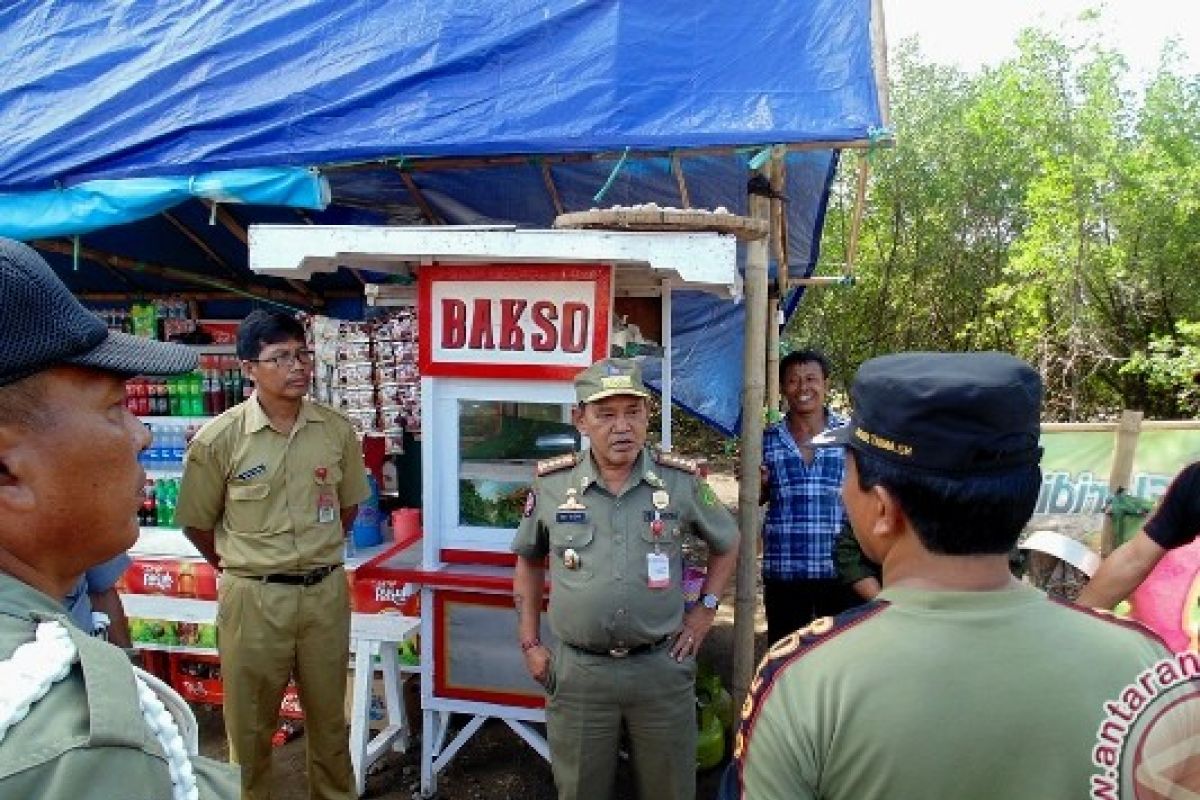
x=149, y=515
x=195, y=395
x=213, y=400
x=233, y=383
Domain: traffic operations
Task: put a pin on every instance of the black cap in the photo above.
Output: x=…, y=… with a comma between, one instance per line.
x=42, y=324
x=955, y=413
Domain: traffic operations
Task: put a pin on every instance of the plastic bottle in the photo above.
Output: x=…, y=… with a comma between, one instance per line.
x=196, y=390
x=149, y=508
x=233, y=383
x=154, y=451
x=178, y=446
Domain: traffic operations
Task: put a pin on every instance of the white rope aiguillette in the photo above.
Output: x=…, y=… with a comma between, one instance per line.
x=36, y=666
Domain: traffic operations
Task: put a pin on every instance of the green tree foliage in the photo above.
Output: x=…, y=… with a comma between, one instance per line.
x=1039, y=207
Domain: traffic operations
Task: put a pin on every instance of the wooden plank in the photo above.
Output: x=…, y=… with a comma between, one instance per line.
x=548, y=179
x=658, y=219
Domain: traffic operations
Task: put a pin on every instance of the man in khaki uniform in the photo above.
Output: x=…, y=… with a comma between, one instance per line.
x=611, y=522
x=269, y=490
x=71, y=724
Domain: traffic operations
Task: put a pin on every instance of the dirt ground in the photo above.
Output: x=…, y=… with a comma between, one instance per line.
x=495, y=764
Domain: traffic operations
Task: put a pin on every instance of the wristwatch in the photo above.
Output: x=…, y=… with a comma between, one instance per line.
x=710, y=601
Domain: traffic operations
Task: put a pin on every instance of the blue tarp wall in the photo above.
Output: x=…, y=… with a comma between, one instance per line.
x=496, y=92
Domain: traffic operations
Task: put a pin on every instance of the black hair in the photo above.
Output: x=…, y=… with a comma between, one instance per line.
x=262, y=328
x=957, y=515
x=806, y=356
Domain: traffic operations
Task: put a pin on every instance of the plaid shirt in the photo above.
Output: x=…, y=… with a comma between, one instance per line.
x=805, y=512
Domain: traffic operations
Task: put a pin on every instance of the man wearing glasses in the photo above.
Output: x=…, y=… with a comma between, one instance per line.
x=269, y=490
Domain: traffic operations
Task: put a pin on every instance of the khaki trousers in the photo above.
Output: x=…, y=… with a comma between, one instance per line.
x=588, y=698
x=267, y=632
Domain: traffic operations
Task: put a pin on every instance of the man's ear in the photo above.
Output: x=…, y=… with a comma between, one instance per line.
x=891, y=520
x=577, y=412
x=886, y=523
x=16, y=461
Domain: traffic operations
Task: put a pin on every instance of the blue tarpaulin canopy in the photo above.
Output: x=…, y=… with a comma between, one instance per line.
x=424, y=111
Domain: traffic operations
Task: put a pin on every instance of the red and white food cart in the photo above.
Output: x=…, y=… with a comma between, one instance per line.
x=507, y=318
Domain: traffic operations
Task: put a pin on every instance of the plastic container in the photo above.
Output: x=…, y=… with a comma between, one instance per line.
x=365, y=532
x=406, y=524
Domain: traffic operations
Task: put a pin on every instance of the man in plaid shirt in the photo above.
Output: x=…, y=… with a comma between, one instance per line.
x=802, y=487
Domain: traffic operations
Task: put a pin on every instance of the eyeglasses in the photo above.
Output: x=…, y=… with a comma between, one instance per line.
x=286, y=360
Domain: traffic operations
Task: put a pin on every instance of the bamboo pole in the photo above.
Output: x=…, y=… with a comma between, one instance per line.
x=434, y=163
x=860, y=204
x=551, y=188
x=820, y=280
x=771, y=366
x=753, y=396
x=133, y=265
x=238, y=231
x=777, y=171
x=419, y=197
x=879, y=61
x=1122, y=469
x=200, y=244
x=685, y=196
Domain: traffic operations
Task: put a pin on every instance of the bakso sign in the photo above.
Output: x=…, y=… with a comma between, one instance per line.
x=517, y=321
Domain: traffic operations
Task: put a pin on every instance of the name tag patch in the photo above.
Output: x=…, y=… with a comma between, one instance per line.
x=570, y=516
x=648, y=516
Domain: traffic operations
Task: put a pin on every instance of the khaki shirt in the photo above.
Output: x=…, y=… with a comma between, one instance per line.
x=605, y=601
x=259, y=489
x=86, y=737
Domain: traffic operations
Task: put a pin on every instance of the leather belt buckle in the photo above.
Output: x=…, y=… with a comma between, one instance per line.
x=317, y=575
x=619, y=652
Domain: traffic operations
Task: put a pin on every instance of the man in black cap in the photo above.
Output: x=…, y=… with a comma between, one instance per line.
x=958, y=681
x=74, y=719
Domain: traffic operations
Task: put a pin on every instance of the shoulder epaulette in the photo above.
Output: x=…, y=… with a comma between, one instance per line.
x=677, y=462
x=1105, y=615
x=557, y=464
x=789, y=650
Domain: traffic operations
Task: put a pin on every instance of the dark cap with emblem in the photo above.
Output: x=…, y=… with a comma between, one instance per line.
x=610, y=377
x=42, y=325
x=951, y=413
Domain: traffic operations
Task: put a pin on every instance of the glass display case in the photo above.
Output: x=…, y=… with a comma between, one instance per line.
x=498, y=445
x=478, y=485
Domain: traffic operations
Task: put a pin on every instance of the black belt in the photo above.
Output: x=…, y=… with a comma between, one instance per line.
x=310, y=578
x=622, y=652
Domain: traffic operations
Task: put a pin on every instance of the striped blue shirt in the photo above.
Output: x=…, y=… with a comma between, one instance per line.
x=805, y=512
